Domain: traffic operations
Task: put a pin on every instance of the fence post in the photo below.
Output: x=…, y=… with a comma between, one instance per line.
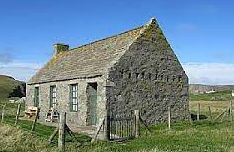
x=198, y=111
x=137, y=123
x=35, y=120
x=210, y=113
x=185, y=113
x=3, y=113
x=169, y=117
x=107, y=128
x=61, y=138
x=230, y=110
x=17, y=114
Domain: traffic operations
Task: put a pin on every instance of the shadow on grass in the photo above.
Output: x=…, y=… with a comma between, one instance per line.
x=201, y=117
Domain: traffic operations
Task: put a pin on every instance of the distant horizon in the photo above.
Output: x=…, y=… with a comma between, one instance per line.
x=200, y=32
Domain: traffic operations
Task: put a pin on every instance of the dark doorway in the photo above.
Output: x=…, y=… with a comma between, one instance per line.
x=36, y=97
x=92, y=104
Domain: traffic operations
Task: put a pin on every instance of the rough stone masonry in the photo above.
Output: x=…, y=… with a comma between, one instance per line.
x=132, y=70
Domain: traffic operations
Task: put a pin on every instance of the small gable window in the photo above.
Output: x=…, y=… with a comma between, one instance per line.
x=142, y=75
x=137, y=75
x=149, y=76
x=129, y=75
x=173, y=79
x=121, y=74
x=161, y=77
x=74, y=97
x=156, y=77
x=180, y=78
x=167, y=78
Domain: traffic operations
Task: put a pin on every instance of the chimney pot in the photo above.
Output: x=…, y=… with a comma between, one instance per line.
x=60, y=47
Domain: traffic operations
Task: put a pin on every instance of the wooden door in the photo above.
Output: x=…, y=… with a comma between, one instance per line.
x=92, y=103
x=36, y=97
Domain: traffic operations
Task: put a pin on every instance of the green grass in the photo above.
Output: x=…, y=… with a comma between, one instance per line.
x=9, y=118
x=183, y=136
x=216, y=96
x=41, y=133
x=201, y=136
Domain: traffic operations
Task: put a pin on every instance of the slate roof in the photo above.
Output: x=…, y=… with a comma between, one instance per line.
x=88, y=60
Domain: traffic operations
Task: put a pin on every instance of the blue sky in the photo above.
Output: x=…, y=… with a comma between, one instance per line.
x=201, y=32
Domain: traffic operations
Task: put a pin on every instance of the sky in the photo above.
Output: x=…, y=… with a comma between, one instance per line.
x=200, y=32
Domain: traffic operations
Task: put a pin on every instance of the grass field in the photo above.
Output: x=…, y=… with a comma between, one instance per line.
x=216, y=96
x=183, y=136
x=201, y=136
x=204, y=135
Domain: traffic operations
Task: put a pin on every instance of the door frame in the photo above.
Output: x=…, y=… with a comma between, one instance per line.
x=91, y=97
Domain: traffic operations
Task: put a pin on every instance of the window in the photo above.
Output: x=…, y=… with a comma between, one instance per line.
x=167, y=78
x=74, y=97
x=129, y=75
x=180, y=78
x=142, y=75
x=156, y=77
x=36, y=97
x=161, y=77
x=149, y=76
x=53, y=95
x=173, y=79
x=137, y=75
x=121, y=74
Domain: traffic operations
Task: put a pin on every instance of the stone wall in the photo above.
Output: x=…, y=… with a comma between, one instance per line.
x=150, y=78
x=78, y=118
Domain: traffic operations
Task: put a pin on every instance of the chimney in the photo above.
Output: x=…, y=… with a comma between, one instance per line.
x=60, y=47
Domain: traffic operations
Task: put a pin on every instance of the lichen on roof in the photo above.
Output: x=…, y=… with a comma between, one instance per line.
x=90, y=59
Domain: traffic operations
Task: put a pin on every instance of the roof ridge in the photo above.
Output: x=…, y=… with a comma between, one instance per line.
x=107, y=38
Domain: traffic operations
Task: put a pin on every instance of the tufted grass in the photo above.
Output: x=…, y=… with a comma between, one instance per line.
x=204, y=135
x=201, y=136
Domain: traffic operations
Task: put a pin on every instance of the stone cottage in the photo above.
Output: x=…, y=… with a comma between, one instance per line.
x=132, y=70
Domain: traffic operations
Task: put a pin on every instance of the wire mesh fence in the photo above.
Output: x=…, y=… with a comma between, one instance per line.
x=10, y=113
x=14, y=114
x=211, y=110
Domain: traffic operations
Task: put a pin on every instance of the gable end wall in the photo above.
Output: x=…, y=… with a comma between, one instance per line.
x=150, y=78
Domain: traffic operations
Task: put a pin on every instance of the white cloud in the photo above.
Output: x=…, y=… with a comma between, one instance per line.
x=19, y=70
x=210, y=73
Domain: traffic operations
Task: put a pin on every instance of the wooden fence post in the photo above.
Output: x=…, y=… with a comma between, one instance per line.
x=210, y=113
x=98, y=130
x=53, y=135
x=107, y=128
x=169, y=117
x=3, y=112
x=35, y=120
x=230, y=110
x=185, y=113
x=137, y=123
x=17, y=114
x=198, y=111
x=61, y=138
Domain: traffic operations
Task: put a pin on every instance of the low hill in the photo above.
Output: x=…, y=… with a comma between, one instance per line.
x=224, y=95
x=200, y=88
x=9, y=87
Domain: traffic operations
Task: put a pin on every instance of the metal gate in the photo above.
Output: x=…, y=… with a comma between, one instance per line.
x=122, y=128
